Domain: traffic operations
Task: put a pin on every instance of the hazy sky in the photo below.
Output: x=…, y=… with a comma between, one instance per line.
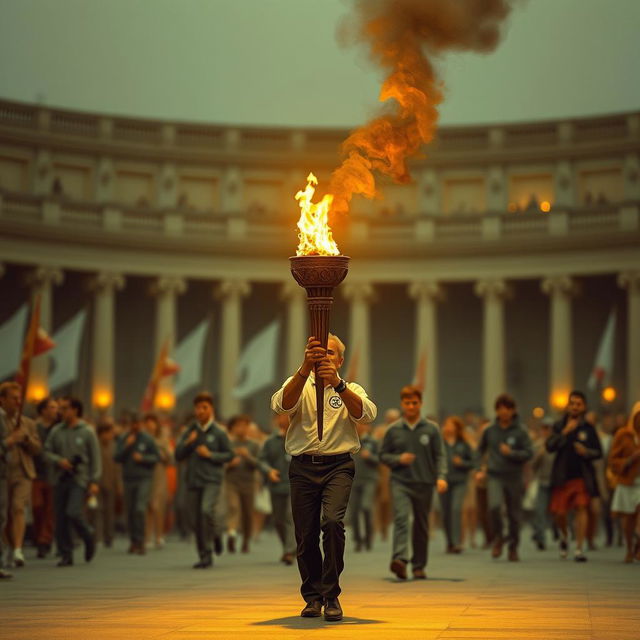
x=277, y=61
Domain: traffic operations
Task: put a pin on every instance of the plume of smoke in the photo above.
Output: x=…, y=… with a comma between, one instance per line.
x=403, y=38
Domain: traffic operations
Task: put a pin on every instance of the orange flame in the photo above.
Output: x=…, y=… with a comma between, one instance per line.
x=314, y=232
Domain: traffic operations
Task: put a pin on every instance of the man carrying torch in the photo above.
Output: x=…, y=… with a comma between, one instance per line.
x=321, y=471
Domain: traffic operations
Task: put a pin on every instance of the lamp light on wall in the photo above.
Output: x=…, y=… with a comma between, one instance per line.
x=165, y=400
x=36, y=393
x=609, y=394
x=559, y=400
x=102, y=399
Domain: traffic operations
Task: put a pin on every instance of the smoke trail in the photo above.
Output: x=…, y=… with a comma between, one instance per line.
x=403, y=37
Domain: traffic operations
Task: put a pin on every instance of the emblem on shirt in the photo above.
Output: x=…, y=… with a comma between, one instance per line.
x=335, y=402
x=511, y=441
x=582, y=436
x=78, y=440
x=142, y=446
x=424, y=439
x=209, y=438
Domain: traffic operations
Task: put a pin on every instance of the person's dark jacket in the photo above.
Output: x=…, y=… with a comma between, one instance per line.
x=518, y=440
x=145, y=445
x=273, y=456
x=425, y=441
x=201, y=471
x=458, y=474
x=586, y=434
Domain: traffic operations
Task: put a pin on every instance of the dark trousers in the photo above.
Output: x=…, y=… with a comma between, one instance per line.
x=319, y=499
x=408, y=498
x=69, y=501
x=136, y=500
x=451, y=502
x=42, y=505
x=541, y=518
x=508, y=491
x=361, y=510
x=201, y=503
x=283, y=520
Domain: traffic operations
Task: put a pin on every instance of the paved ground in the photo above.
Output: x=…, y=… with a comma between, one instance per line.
x=469, y=596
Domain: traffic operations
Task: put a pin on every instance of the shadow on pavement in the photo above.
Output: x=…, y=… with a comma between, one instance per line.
x=429, y=579
x=296, y=622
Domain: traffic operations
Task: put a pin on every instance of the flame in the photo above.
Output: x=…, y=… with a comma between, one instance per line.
x=314, y=232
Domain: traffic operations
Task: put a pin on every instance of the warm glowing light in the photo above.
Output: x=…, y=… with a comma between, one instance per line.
x=102, y=399
x=37, y=392
x=165, y=400
x=538, y=413
x=513, y=207
x=314, y=232
x=545, y=206
x=609, y=394
x=560, y=399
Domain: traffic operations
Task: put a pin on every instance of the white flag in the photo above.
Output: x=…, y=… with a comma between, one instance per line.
x=603, y=365
x=188, y=354
x=257, y=365
x=11, y=337
x=66, y=353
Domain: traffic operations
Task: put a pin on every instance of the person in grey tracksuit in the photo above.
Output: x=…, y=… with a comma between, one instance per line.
x=364, y=488
x=460, y=460
x=138, y=454
x=274, y=461
x=504, y=448
x=73, y=451
x=414, y=450
x=205, y=448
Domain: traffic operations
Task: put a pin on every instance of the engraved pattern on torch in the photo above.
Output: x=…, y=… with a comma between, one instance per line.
x=319, y=275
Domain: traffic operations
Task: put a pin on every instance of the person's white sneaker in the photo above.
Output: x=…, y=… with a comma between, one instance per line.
x=18, y=558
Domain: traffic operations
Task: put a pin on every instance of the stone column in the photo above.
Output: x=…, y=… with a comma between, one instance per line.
x=297, y=324
x=494, y=379
x=427, y=294
x=166, y=289
x=104, y=286
x=230, y=292
x=630, y=280
x=359, y=295
x=41, y=281
x=561, y=289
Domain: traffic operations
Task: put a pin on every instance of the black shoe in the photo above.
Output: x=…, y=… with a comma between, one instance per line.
x=217, y=545
x=5, y=575
x=204, y=563
x=419, y=574
x=312, y=610
x=399, y=567
x=65, y=561
x=332, y=610
x=89, y=549
x=42, y=551
x=541, y=545
x=580, y=557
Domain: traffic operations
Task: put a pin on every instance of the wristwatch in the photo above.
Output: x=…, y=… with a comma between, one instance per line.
x=340, y=387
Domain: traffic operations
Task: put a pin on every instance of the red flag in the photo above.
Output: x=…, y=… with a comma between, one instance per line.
x=36, y=342
x=164, y=367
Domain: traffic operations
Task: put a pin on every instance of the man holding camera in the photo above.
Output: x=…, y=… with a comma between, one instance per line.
x=73, y=450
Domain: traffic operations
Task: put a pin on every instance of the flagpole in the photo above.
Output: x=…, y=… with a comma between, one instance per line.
x=27, y=354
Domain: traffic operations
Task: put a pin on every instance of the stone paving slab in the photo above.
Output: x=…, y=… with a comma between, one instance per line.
x=159, y=596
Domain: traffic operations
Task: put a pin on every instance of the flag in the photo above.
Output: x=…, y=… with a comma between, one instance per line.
x=188, y=354
x=163, y=367
x=420, y=375
x=257, y=364
x=11, y=335
x=36, y=343
x=603, y=365
x=67, y=351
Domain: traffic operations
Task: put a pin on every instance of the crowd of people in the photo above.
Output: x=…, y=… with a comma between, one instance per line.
x=65, y=480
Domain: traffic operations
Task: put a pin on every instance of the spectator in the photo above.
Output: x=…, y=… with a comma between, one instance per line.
x=73, y=450
x=573, y=479
x=504, y=448
x=239, y=482
x=110, y=484
x=42, y=488
x=22, y=445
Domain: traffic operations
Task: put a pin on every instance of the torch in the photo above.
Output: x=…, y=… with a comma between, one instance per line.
x=319, y=268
